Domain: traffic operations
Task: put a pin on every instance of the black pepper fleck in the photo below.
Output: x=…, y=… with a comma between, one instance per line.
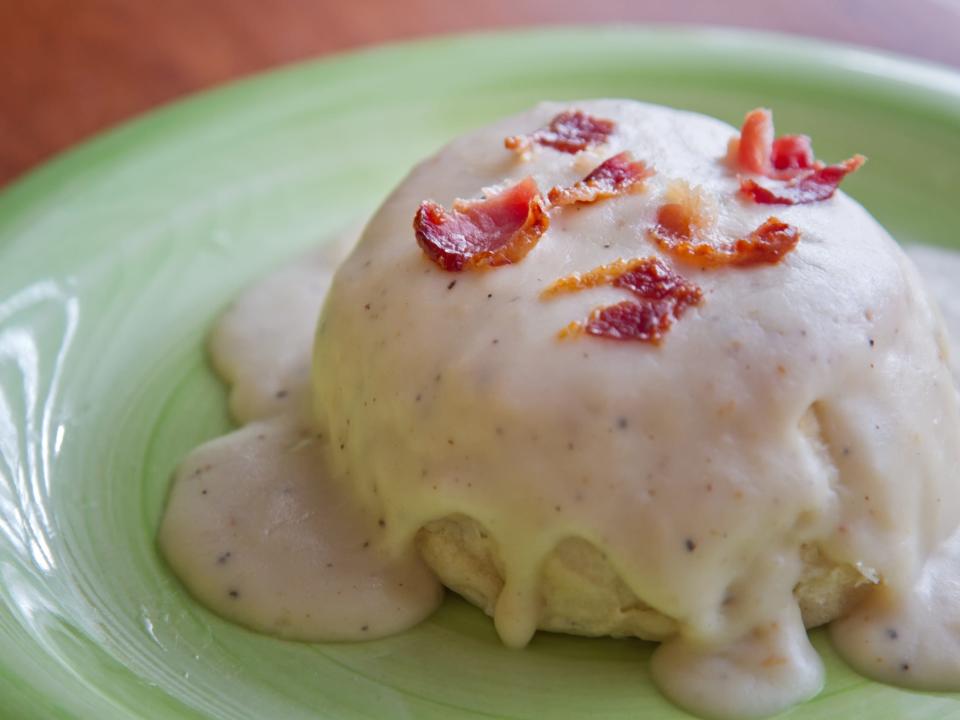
x=366, y=544
x=367, y=306
x=222, y=559
x=451, y=284
x=872, y=343
x=281, y=394
x=892, y=633
x=365, y=628
x=417, y=399
x=489, y=295
x=329, y=565
x=203, y=492
x=905, y=667
x=381, y=522
x=233, y=593
x=622, y=423
x=495, y=341
x=690, y=545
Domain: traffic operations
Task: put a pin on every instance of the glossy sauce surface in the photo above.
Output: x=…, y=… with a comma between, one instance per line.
x=255, y=526
x=250, y=530
x=803, y=404
x=911, y=636
x=751, y=659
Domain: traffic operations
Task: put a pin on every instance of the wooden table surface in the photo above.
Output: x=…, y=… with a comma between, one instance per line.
x=69, y=68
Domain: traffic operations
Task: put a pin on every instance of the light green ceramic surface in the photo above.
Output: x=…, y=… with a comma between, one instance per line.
x=116, y=258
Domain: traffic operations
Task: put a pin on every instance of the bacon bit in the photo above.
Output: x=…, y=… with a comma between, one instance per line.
x=570, y=331
x=479, y=234
x=685, y=219
x=674, y=219
x=614, y=176
x=687, y=213
x=571, y=131
x=756, y=141
x=661, y=296
x=792, y=153
x=816, y=185
x=757, y=151
x=629, y=320
x=789, y=158
x=652, y=280
x=602, y=275
x=768, y=244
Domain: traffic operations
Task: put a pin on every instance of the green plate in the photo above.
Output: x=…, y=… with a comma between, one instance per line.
x=116, y=258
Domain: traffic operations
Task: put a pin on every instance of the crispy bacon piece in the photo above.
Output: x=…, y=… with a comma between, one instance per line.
x=687, y=212
x=571, y=131
x=757, y=151
x=788, y=159
x=816, y=185
x=614, y=176
x=756, y=141
x=651, y=279
x=602, y=275
x=627, y=320
x=686, y=219
x=660, y=297
x=792, y=153
x=767, y=245
x=477, y=234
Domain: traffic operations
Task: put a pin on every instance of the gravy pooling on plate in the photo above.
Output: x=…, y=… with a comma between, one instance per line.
x=790, y=427
x=254, y=526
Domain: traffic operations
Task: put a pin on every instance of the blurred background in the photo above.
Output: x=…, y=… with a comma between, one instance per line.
x=69, y=68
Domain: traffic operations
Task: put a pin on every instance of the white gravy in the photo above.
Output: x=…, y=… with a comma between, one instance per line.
x=263, y=535
x=254, y=527
x=913, y=639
